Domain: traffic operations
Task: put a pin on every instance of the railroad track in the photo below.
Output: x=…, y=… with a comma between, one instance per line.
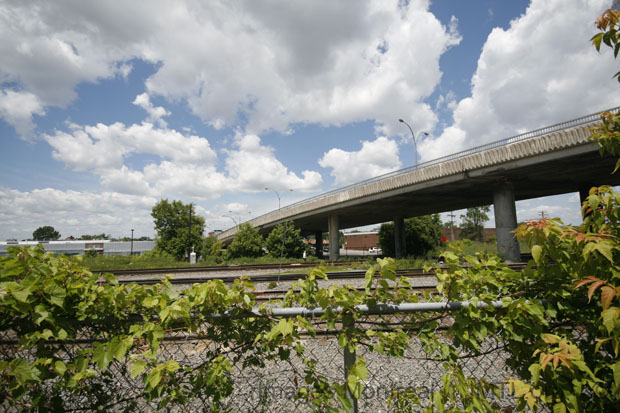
x=226, y=268
x=341, y=275
x=278, y=295
x=273, y=294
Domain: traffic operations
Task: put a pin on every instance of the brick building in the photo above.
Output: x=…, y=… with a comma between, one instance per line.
x=361, y=241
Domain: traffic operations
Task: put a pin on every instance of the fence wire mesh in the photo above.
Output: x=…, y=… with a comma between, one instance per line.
x=261, y=385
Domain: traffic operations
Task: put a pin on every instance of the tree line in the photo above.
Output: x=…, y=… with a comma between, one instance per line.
x=180, y=231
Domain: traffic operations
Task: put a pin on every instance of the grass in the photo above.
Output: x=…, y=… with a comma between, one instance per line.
x=127, y=262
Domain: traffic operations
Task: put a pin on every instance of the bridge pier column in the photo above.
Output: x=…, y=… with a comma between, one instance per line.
x=318, y=245
x=334, y=237
x=400, y=248
x=584, y=193
x=505, y=222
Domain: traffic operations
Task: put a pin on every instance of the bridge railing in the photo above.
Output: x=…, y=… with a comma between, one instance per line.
x=502, y=142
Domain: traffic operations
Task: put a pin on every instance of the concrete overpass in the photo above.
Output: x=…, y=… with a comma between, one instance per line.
x=553, y=160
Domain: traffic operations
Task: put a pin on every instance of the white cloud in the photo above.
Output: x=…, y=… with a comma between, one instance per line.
x=273, y=63
x=253, y=166
x=17, y=109
x=539, y=71
x=566, y=206
x=156, y=113
x=72, y=212
x=185, y=165
x=105, y=146
x=375, y=158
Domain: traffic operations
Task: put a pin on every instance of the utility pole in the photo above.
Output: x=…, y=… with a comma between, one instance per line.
x=542, y=214
x=451, y=215
x=189, y=232
x=131, y=253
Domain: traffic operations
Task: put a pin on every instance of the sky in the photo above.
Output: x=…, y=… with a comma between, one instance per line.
x=108, y=107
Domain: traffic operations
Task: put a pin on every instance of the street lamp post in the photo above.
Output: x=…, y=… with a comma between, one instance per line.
x=277, y=194
x=131, y=253
x=234, y=220
x=415, y=148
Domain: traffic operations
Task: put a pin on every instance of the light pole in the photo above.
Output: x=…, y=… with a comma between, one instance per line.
x=415, y=148
x=277, y=194
x=131, y=253
x=235, y=221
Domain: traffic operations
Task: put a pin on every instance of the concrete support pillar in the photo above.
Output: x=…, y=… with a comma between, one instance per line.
x=318, y=237
x=506, y=222
x=584, y=193
x=400, y=249
x=334, y=237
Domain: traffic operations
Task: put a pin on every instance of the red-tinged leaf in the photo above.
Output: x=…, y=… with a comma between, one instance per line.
x=589, y=279
x=607, y=295
x=593, y=288
x=556, y=360
x=567, y=363
x=544, y=360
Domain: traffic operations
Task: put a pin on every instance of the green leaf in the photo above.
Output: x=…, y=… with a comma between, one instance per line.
x=137, y=367
x=55, y=294
x=536, y=252
x=118, y=347
x=616, y=369
x=609, y=317
x=172, y=366
x=22, y=370
x=154, y=377
x=100, y=356
x=21, y=293
x=559, y=408
x=284, y=327
x=60, y=367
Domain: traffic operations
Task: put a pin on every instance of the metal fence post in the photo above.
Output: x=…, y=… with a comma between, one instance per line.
x=348, y=324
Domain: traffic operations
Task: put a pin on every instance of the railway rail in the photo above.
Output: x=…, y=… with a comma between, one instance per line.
x=274, y=294
x=226, y=268
x=288, y=276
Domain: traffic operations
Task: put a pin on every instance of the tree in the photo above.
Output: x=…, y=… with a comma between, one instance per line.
x=96, y=236
x=285, y=240
x=46, y=233
x=607, y=135
x=211, y=247
x=472, y=226
x=247, y=242
x=172, y=223
x=422, y=234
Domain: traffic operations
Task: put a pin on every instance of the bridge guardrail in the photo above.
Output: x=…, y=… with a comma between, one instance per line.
x=492, y=145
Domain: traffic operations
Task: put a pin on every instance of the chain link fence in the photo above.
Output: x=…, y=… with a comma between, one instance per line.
x=268, y=385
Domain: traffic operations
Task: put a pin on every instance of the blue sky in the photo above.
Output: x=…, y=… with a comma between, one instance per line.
x=107, y=107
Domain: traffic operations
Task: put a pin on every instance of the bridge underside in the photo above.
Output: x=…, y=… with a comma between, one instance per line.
x=530, y=178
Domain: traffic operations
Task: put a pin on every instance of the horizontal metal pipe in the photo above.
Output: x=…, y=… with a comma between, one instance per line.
x=372, y=310
x=383, y=308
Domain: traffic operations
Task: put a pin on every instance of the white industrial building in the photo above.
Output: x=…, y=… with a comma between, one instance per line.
x=105, y=247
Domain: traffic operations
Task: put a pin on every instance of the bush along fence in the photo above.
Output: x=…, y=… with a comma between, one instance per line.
x=491, y=338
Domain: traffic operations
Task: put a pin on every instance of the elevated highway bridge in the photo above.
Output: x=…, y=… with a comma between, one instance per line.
x=553, y=160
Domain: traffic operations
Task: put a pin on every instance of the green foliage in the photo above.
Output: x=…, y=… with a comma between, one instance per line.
x=607, y=135
x=563, y=350
x=96, y=236
x=472, y=225
x=608, y=23
x=155, y=258
x=469, y=247
x=212, y=247
x=285, y=241
x=247, y=242
x=172, y=223
x=422, y=235
x=91, y=253
x=45, y=233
